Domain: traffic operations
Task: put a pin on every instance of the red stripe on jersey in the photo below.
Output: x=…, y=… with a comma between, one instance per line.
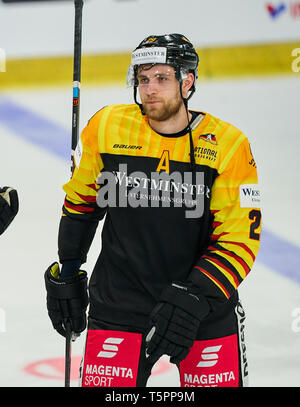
x=87, y=198
x=217, y=237
x=224, y=267
x=234, y=256
x=216, y=224
x=78, y=208
x=93, y=186
x=214, y=279
x=245, y=247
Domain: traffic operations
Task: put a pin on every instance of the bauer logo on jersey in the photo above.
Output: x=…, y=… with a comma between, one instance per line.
x=250, y=196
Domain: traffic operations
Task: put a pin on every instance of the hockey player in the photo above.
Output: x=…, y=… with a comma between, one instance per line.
x=179, y=192
x=9, y=206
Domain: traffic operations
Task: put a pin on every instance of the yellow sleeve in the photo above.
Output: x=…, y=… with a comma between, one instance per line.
x=81, y=191
x=236, y=227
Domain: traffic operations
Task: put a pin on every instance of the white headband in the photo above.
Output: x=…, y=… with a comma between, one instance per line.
x=151, y=55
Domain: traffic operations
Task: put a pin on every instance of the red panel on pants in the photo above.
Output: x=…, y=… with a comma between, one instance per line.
x=211, y=363
x=111, y=359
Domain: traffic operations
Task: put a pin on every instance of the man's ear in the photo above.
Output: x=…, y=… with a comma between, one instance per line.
x=187, y=83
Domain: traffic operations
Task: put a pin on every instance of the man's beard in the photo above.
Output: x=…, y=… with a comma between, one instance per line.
x=163, y=111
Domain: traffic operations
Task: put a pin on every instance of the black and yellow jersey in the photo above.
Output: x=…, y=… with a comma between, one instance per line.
x=152, y=240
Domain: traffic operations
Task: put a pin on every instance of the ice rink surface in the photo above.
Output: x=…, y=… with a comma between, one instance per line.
x=35, y=158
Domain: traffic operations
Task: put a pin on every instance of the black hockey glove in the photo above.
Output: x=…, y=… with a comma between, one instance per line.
x=9, y=206
x=67, y=299
x=174, y=323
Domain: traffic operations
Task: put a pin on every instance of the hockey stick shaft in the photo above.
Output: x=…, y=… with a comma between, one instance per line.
x=75, y=135
x=76, y=77
x=68, y=354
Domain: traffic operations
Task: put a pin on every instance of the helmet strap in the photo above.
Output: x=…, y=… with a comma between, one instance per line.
x=192, y=158
x=136, y=101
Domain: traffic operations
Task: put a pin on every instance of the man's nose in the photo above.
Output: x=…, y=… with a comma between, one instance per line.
x=152, y=86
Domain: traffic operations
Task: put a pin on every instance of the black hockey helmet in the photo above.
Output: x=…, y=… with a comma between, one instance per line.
x=170, y=49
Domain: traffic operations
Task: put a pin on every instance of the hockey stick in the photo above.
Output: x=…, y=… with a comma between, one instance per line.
x=76, y=77
x=68, y=353
x=75, y=135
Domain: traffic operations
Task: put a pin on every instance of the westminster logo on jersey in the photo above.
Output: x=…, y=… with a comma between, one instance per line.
x=161, y=189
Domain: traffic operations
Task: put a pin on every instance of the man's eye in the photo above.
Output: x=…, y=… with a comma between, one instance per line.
x=143, y=80
x=162, y=78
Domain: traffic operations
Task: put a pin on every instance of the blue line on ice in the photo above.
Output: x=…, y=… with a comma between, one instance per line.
x=34, y=128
